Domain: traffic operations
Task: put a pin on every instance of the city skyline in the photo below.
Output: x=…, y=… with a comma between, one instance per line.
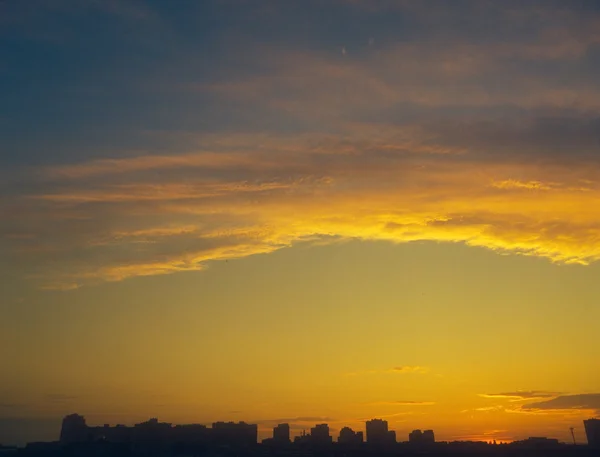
x=374, y=431
x=75, y=429
x=153, y=437
x=323, y=211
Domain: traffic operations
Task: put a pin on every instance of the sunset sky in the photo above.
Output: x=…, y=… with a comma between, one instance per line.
x=300, y=211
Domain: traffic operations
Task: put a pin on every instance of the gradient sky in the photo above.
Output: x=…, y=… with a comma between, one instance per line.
x=305, y=211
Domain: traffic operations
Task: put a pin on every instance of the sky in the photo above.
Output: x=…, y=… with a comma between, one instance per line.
x=305, y=211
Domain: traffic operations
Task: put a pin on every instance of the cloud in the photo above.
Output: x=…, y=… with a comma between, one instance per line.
x=522, y=395
x=410, y=369
x=396, y=370
x=315, y=86
x=567, y=402
x=206, y=159
x=161, y=227
x=436, y=135
x=565, y=413
x=515, y=184
x=552, y=403
x=488, y=408
x=403, y=403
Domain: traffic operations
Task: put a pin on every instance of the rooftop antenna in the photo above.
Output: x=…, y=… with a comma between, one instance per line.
x=573, y=435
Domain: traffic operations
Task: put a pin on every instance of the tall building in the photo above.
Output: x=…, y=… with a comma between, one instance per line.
x=378, y=433
x=416, y=436
x=73, y=429
x=320, y=434
x=428, y=437
x=376, y=430
x=281, y=434
x=350, y=437
x=592, y=432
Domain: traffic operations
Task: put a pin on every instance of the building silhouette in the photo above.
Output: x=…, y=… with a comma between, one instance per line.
x=391, y=437
x=320, y=434
x=421, y=438
x=592, y=432
x=537, y=443
x=151, y=436
x=234, y=434
x=281, y=434
x=191, y=433
x=155, y=436
x=378, y=433
x=118, y=434
x=231, y=439
x=302, y=439
x=350, y=437
x=415, y=436
x=73, y=429
x=428, y=436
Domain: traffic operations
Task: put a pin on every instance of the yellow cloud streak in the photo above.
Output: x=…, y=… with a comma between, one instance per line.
x=396, y=197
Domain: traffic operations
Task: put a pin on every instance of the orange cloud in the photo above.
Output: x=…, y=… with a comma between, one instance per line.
x=369, y=194
x=403, y=403
x=516, y=184
x=395, y=370
x=522, y=395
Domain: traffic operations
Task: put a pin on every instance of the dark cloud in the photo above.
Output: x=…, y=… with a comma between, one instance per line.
x=558, y=137
x=578, y=401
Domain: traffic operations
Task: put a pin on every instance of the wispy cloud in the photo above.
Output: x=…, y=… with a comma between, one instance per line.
x=515, y=184
x=549, y=403
x=567, y=402
x=396, y=370
x=522, y=395
x=488, y=408
x=403, y=403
